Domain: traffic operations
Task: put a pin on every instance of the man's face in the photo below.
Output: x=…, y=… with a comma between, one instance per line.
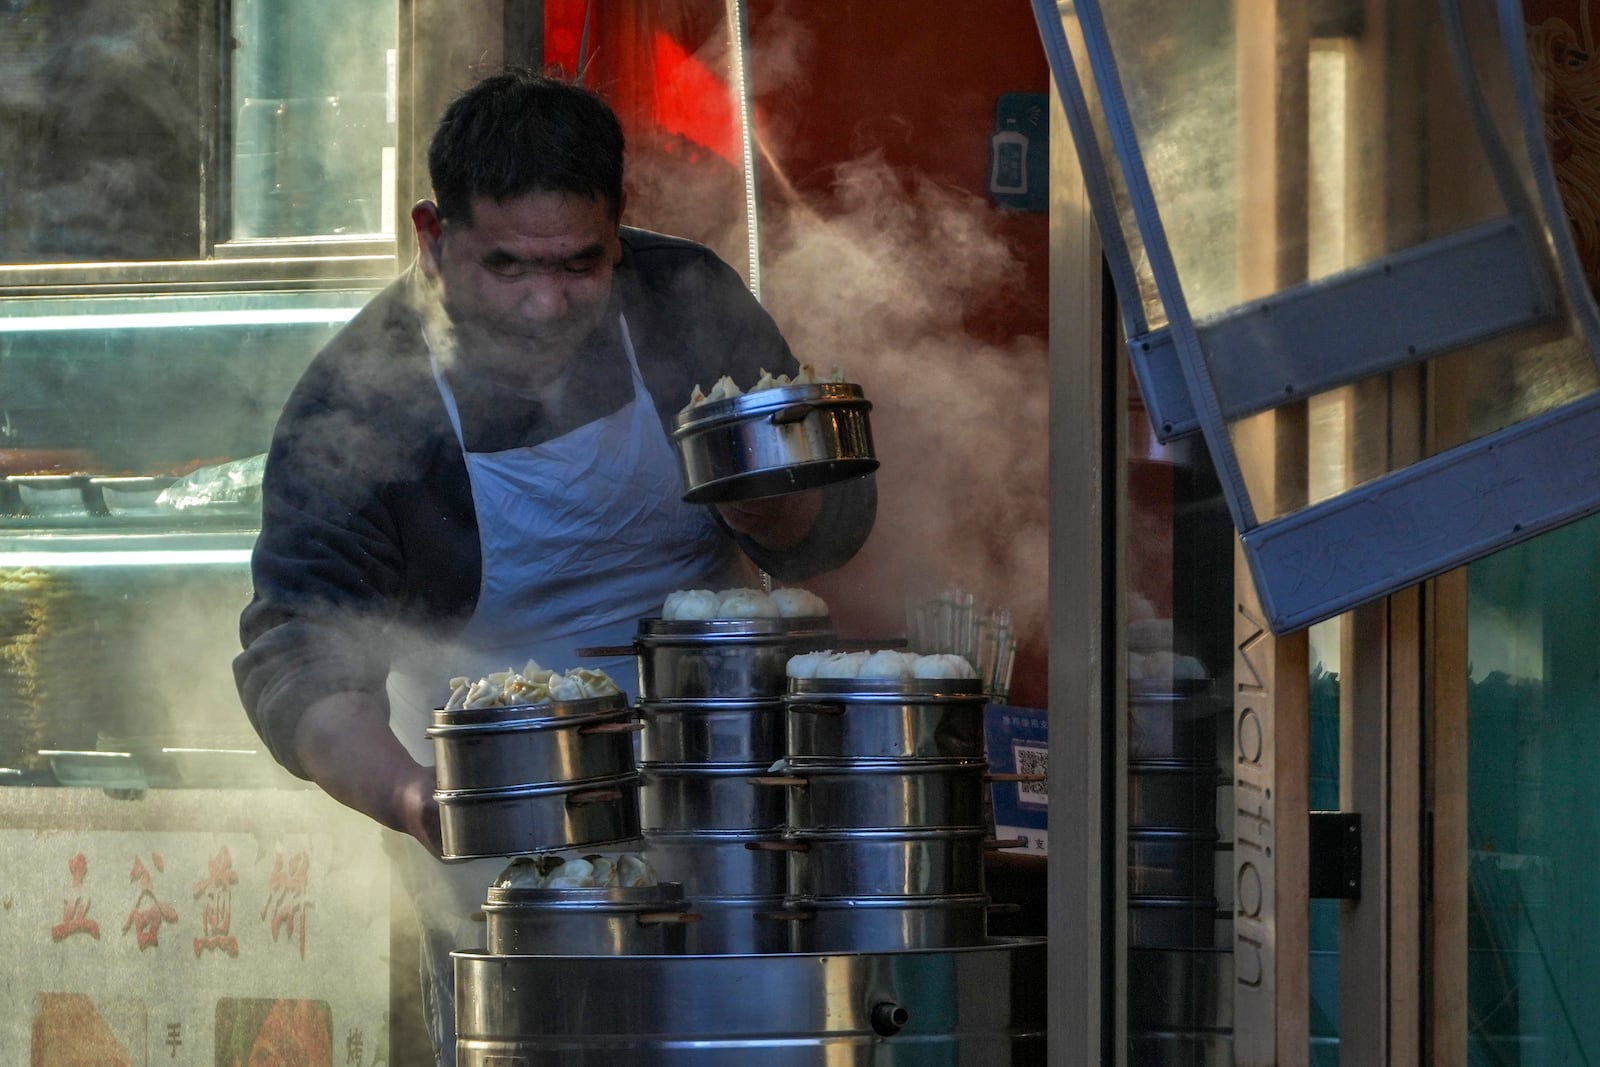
x=527, y=280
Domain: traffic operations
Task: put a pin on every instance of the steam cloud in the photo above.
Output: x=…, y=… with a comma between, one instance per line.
x=882, y=288
x=881, y=282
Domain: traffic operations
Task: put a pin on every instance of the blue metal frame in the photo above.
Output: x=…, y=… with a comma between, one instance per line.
x=1306, y=340
x=1413, y=523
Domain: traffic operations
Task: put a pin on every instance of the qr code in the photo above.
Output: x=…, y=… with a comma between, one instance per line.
x=1032, y=759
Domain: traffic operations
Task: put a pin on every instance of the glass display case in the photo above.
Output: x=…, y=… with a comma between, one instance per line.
x=202, y=194
x=194, y=197
x=132, y=454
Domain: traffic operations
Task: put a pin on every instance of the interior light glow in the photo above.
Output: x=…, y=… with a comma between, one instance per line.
x=127, y=558
x=171, y=319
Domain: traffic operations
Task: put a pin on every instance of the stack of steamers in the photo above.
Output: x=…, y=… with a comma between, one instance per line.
x=817, y=844
x=809, y=814
x=787, y=820
x=788, y=814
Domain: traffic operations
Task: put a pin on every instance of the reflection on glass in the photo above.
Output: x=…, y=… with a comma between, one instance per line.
x=1323, y=967
x=314, y=131
x=101, y=113
x=1534, y=802
x=1180, y=657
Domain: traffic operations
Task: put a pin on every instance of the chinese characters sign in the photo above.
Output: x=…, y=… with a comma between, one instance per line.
x=152, y=947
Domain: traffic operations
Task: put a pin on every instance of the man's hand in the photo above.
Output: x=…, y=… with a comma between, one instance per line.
x=345, y=745
x=776, y=522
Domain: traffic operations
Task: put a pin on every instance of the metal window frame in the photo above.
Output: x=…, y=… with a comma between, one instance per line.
x=361, y=261
x=1086, y=892
x=1404, y=526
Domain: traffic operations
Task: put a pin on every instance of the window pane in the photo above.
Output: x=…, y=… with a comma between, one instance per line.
x=102, y=130
x=314, y=134
x=1533, y=798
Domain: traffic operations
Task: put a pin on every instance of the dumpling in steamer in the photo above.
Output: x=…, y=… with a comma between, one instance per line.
x=577, y=869
x=605, y=870
x=768, y=380
x=690, y=604
x=567, y=688
x=633, y=871
x=746, y=604
x=798, y=604
x=524, y=873
x=594, y=683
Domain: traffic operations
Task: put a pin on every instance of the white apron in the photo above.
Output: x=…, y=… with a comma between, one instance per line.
x=581, y=537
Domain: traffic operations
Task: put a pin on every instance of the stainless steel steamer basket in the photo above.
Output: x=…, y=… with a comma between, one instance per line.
x=529, y=745
x=550, y=709
x=888, y=924
x=774, y=441
x=921, y=718
x=1176, y=863
x=882, y=794
x=602, y=921
x=525, y=820
x=886, y=863
x=708, y=797
x=738, y=925
x=735, y=731
x=1174, y=794
x=983, y=1006
x=721, y=863
x=721, y=659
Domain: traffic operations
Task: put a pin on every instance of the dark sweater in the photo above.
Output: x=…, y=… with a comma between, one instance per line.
x=368, y=519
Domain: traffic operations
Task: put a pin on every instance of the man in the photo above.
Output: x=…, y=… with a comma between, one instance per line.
x=477, y=470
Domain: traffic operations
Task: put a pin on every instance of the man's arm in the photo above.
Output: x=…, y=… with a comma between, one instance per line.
x=350, y=466
x=344, y=744
x=801, y=535
x=775, y=523
x=698, y=313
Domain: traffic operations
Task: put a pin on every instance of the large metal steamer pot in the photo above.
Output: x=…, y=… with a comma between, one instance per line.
x=774, y=441
x=533, y=744
x=678, y=797
x=721, y=732
x=602, y=921
x=526, y=820
x=828, y=794
x=870, y=718
x=886, y=863
x=888, y=924
x=982, y=1006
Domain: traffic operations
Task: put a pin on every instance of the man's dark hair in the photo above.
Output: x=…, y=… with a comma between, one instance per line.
x=519, y=132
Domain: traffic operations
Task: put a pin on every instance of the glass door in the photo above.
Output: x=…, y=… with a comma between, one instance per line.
x=1533, y=803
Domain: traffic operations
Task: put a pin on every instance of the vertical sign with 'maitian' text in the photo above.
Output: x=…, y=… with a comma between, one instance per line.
x=1270, y=819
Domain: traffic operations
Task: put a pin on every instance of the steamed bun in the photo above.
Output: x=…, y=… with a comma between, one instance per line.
x=746, y=604
x=942, y=665
x=798, y=604
x=888, y=664
x=804, y=665
x=842, y=664
x=691, y=604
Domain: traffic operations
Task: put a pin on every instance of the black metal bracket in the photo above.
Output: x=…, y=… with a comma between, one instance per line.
x=1335, y=855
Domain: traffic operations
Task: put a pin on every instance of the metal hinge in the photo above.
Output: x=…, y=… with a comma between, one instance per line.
x=1335, y=855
